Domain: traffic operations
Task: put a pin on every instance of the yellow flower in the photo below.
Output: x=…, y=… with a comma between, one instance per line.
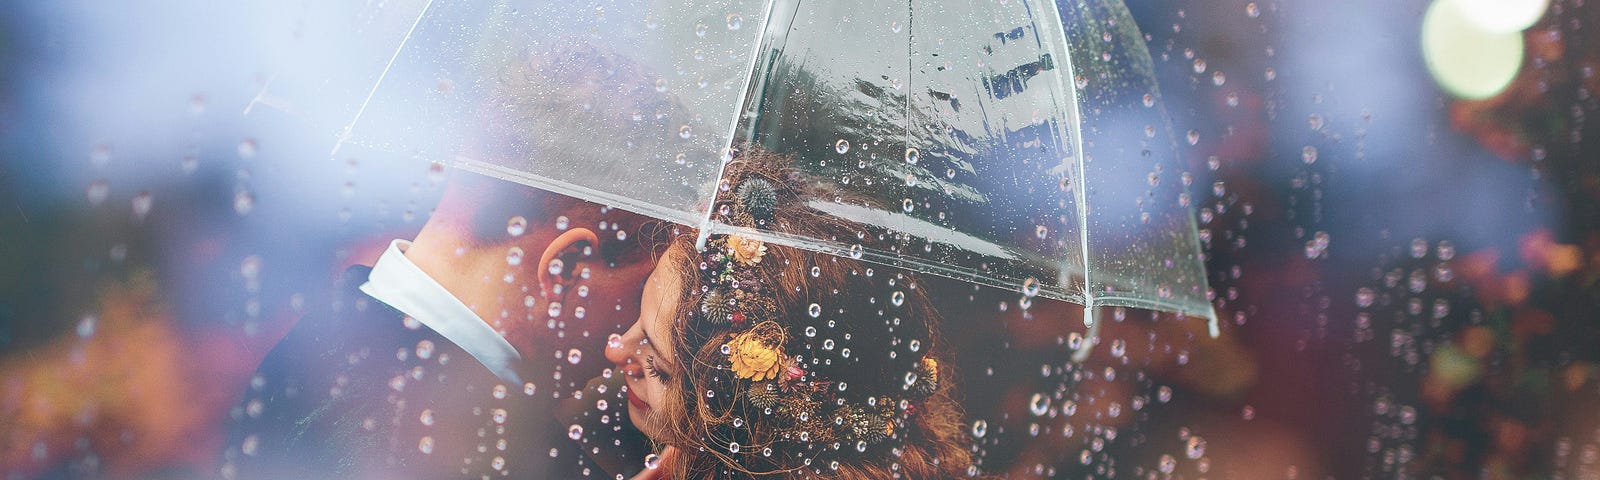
x=753, y=359
x=746, y=251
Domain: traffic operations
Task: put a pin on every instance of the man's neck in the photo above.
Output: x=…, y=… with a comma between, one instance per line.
x=479, y=276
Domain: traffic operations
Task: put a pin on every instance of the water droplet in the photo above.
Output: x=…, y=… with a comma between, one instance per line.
x=1195, y=448
x=516, y=226
x=841, y=146
x=514, y=256
x=1308, y=154
x=735, y=21
x=979, y=428
x=425, y=445
x=855, y=251
x=907, y=205
x=1446, y=251
x=575, y=431
x=1039, y=405
x=915, y=345
x=574, y=356
x=913, y=156
x=98, y=191
x=1251, y=10
x=652, y=461
x=1149, y=100
x=142, y=203
x=1193, y=137
x=1030, y=287
x=685, y=132
x=1365, y=297
x=86, y=326
x=248, y=148
x=243, y=202
x=897, y=298
x=556, y=265
x=811, y=331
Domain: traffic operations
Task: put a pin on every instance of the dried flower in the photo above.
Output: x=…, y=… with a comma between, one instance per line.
x=746, y=251
x=754, y=359
x=758, y=197
x=927, y=378
x=764, y=394
x=714, y=306
x=793, y=373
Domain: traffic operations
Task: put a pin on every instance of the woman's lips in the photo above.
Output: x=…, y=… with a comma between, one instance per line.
x=637, y=402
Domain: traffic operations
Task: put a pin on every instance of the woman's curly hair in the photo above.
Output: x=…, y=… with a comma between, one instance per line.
x=875, y=327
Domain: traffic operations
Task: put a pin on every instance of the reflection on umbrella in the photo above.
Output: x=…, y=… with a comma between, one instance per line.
x=1015, y=144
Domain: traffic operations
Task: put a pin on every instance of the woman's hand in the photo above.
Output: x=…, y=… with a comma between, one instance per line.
x=667, y=457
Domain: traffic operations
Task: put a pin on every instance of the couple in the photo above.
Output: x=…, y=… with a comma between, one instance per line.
x=746, y=359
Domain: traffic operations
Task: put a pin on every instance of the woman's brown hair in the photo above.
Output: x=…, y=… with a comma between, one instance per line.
x=864, y=328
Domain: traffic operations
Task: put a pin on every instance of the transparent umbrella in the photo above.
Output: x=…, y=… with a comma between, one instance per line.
x=1016, y=144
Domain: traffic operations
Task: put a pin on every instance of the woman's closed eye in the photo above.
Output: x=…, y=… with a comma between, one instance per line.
x=651, y=370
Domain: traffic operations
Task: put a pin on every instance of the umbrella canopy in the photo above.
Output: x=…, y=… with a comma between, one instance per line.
x=1017, y=144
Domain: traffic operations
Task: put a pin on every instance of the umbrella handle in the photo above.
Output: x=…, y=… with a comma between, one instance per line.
x=561, y=243
x=1090, y=338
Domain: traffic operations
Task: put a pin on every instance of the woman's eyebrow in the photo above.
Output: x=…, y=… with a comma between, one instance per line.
x=653, y=348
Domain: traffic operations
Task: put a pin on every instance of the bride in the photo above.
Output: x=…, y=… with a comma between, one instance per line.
x=751, y=359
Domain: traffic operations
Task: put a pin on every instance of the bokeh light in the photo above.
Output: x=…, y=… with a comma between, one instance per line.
x=1467, y=59
x=1501, y=16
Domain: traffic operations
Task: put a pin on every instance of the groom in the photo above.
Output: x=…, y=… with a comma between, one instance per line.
x=440, y=360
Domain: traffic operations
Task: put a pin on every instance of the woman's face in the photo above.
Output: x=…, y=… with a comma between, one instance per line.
x=644, y=355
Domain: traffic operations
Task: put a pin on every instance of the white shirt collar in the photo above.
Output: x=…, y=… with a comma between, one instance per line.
x=401, y=284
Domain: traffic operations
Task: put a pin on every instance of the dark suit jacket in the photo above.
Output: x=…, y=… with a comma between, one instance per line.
x=358, y=391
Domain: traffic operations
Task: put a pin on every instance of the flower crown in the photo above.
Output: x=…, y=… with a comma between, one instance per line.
x=806, y=406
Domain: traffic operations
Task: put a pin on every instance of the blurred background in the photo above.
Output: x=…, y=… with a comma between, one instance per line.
x=1398, y=202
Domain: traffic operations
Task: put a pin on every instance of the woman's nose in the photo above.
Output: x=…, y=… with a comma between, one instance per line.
x=619, y=348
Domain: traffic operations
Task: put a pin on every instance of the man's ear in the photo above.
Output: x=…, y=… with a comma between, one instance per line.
x=570, y=239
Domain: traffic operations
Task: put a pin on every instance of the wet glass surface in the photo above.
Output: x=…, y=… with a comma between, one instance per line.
x=1389, y=207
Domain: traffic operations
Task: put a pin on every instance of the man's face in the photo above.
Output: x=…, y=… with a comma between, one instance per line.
x=584, y=265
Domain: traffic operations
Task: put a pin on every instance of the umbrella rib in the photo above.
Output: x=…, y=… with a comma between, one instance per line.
x=345, y=134
x=733, y=124
x=1074, y=141
x=911, y=28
